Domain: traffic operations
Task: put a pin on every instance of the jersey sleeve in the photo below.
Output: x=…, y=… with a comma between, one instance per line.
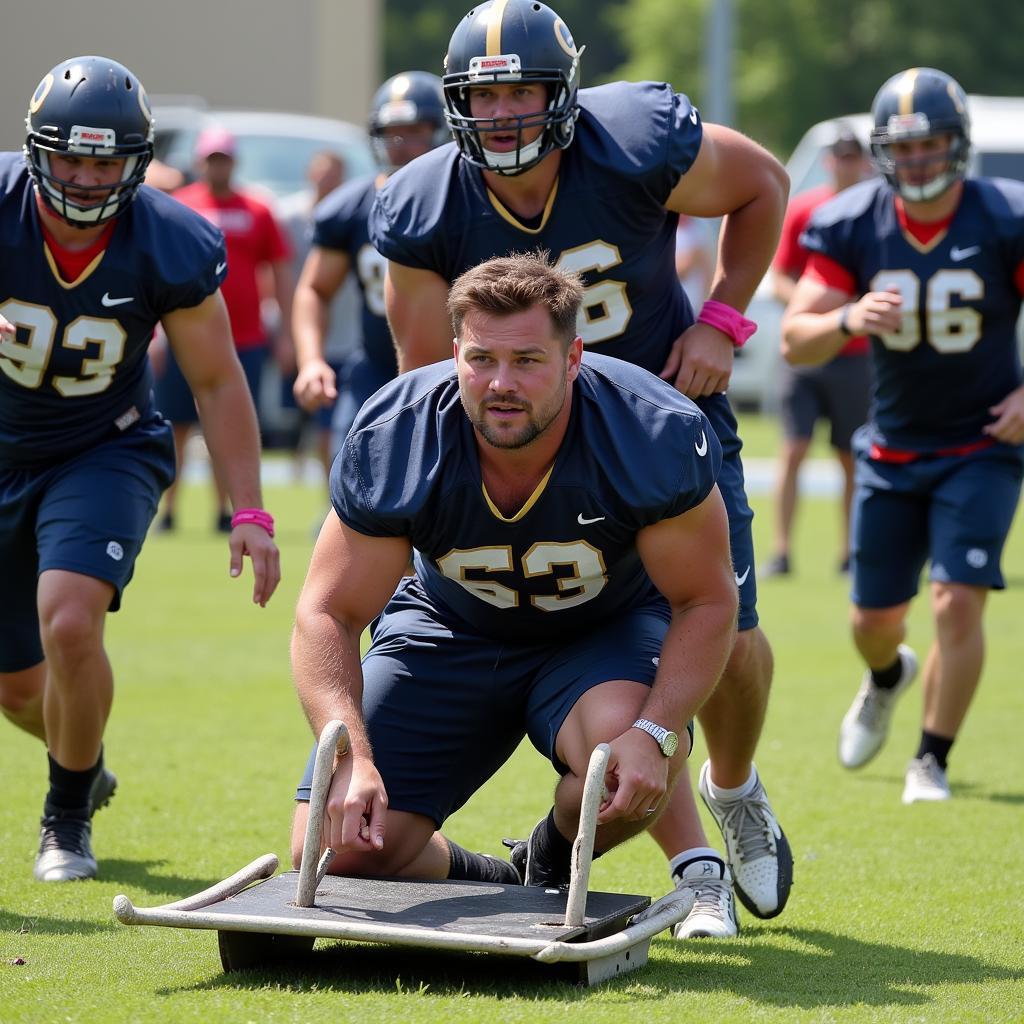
x=405, y=222
x=826, y=271
x=642, y=131
x=185, y=255
x=393, y=454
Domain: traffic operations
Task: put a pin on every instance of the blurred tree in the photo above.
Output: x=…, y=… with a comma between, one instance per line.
x=800, y=61
x=416, y=34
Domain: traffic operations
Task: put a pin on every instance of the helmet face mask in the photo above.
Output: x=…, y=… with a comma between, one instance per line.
x=916, y=105
x=93, y=108
x=412, y=98
x=510, y=42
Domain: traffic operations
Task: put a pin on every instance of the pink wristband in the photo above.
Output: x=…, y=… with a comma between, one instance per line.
x=727, y=320
x=258, y=516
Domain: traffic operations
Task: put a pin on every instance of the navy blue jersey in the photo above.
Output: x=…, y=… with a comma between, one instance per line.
x=955, y=354
x=340, y=223
x=606, y=218
x=568, y=559
x=77, y=370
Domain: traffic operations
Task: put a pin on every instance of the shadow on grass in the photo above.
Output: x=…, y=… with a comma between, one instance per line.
x=967, y=791
x=826, y=971
x=40, y=924
x=138, y=875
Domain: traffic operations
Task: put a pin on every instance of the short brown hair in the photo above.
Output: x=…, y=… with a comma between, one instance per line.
x=514, y=284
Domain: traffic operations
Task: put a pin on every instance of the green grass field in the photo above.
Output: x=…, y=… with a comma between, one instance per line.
x=897, y=914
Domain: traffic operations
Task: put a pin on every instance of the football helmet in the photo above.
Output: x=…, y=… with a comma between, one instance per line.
x=91, y=107
x=916, y=104
x=413, y=97
x=512, y=41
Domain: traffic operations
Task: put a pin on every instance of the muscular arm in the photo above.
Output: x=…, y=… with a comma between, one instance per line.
x=322, y=276
x=417, y=314
x=350, y=579
x=810, y=326
x=200, y=337
x=733, y=178
x=688, y=560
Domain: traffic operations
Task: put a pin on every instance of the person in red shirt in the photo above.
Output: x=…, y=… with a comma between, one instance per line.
x=255, y=245
x=836, y=391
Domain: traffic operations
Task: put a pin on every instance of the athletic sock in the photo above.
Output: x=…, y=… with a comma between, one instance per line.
x=937, y=746
x=69, y=790
x=888, y=678
x=479, y=867
x=552, y=851
x=723, y=794
x=680, y=861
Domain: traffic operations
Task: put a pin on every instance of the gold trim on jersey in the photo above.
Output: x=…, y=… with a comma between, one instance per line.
x=920, y=246
x=530, y=502
x=506, y=214
x=81, y=277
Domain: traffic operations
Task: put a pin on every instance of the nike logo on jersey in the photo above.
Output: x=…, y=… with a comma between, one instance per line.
x=693, y=115
x=220, y=268
x=740, y=580
x=702, y=445
x=583, y=521
x=108, y=301
x=956, y=254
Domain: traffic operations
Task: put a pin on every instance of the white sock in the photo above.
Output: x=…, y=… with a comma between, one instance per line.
x=680, y=860
x=719, y=793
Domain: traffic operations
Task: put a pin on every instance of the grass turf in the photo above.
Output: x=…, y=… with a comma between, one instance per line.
x=897, y=914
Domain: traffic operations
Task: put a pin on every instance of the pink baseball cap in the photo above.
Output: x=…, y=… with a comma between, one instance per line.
x=214, y=139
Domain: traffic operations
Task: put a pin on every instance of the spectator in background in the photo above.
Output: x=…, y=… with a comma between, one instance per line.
x=253, y=241
x=695, y=259
x=836, y=391
x=343, y=333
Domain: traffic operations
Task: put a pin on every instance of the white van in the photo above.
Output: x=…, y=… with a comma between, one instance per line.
x=997, y=150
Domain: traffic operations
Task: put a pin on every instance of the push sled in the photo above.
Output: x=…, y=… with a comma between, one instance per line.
x=264, y=919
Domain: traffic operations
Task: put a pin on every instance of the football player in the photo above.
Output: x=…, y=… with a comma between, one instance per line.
x=929, y=263
x=90, y=261
x=406, y=120
x=598, y=177
x=558, y=593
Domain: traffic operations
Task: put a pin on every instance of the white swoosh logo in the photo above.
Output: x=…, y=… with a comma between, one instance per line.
x=220, y=268
x=740, y=580
x=693, y=115
x=957, y=254
x=583, y=521
x=108, y=301
x=702, y=447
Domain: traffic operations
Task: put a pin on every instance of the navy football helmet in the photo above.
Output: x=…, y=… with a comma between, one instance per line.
x=512, y=41
x=92, y=107
x=413, y=97
x=917, y=104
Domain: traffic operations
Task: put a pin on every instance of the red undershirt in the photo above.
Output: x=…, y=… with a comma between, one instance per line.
x=71, y=264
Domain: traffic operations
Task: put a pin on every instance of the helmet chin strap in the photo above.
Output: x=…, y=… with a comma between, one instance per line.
x=519, y=159
x=929, y=190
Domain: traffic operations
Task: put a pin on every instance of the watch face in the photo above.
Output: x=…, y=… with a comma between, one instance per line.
x=670, y=744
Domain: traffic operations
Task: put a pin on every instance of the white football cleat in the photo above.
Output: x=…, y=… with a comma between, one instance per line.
x=925, y=781
x=758, y=852
x=714, y=909
x=866, y=725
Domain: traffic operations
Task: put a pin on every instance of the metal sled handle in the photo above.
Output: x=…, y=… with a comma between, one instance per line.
x=333, y=741
x=583, y=847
